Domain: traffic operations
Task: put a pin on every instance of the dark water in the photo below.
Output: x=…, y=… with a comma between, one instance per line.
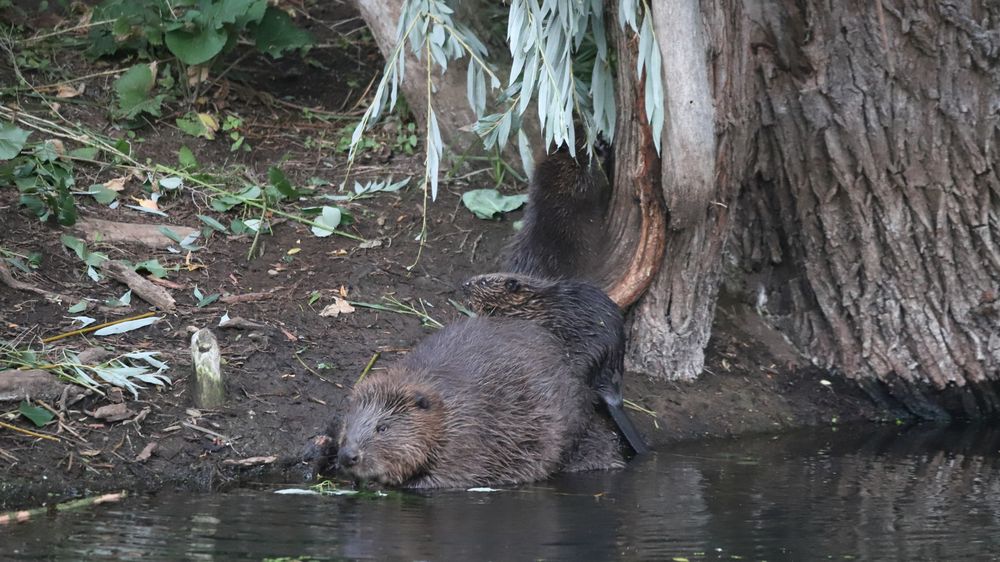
x=858, y=493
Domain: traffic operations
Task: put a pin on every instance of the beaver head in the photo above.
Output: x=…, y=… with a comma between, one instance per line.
x=503, y=293
x=391, y=430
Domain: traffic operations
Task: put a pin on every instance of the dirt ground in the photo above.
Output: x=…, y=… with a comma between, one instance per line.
x=285, y=378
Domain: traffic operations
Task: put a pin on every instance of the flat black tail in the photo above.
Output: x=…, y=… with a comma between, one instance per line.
x=627, y=428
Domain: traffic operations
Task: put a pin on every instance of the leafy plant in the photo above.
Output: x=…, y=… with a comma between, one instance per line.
x=43, y=177
x=197, y=32
x=134, y=89
x=406, y=140
x=234, y=125
x=488, y=203
x=125, y=371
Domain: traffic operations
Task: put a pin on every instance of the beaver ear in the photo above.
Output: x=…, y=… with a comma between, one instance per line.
x=422, y=401
x=512, y=285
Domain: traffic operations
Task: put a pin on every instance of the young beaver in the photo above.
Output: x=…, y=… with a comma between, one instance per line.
x=567, y=199
x=583, y=317
x=484, y=401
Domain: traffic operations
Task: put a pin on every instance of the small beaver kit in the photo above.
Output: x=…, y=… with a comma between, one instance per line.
x=484, y=401
x=589, y=325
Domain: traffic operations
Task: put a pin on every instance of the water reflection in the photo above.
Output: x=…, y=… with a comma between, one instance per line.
x=855, y=493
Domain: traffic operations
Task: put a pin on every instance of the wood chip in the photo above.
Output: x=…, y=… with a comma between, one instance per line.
x=147, y=451
x=251, y=461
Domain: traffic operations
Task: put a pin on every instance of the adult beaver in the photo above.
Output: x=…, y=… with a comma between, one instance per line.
x=588, y=323
x=482, y=402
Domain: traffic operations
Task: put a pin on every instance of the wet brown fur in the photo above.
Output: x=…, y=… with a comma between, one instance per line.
x=502, y=407
x=582, y=316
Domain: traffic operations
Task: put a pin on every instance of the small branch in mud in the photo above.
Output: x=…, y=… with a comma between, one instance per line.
x=94, y=328
x=8, y=279
x=143, y=288
x=28, y=432
x=21, y=516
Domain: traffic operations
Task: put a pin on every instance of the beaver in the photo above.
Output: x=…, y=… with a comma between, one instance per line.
x=483, y=402
x=567, y=199
x=588, y=323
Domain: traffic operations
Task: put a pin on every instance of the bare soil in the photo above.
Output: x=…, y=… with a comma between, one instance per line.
x=286, y=379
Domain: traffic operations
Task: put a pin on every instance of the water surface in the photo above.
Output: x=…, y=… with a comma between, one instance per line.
x=856, y=493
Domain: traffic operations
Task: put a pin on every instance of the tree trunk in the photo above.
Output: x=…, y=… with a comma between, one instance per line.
x=706, y=151
x=869, y=231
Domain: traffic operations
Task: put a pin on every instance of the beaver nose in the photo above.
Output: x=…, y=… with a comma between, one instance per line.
x=348, y=456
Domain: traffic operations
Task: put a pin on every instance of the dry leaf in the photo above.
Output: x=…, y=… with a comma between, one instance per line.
x=116, y=184
x=89, y=453
x=112, y=413
x=147, y=452
x=343, y=291
x=197, y=74
x=147, y=204
x=58, y=146
x=208, y=121
x=339, y=306
x=67, y=91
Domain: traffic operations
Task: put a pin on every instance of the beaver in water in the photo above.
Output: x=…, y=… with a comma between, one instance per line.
x=484, y=401
x=589, y=324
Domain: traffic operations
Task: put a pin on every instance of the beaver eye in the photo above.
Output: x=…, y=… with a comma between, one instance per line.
x=381, y=428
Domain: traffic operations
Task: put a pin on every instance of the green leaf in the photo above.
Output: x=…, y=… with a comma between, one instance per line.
x=134, y=88
x=102, y=194
x=166, y=231
x=487, y=203
x=84, y=153
x=12, y=140
x=75, y=244
x=186, y=158
x=281, y=183
x=216, y=225
x=276, y=33
x=196, y=47
x=78, y=307
x=38, y=416
x=329, y=220
x=153, y=266
x=193, y=125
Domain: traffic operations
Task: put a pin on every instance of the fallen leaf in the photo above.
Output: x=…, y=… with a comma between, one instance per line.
x=116, y=184
x=67, y=91
x=112, y=413
x=58, y=146
x=339, y=306
x=147, y=204
x=147, y=452
x=89, y=452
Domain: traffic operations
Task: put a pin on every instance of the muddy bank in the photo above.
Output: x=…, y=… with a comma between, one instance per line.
x=288, y=368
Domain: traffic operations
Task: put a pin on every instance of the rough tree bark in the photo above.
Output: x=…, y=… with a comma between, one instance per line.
x=833, y=163
x=869, y=232
x=706, y=152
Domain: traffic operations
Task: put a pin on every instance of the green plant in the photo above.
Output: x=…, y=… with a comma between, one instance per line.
x=234, y=125
x=406, y=139
x=44, y=179
x=197, y=32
